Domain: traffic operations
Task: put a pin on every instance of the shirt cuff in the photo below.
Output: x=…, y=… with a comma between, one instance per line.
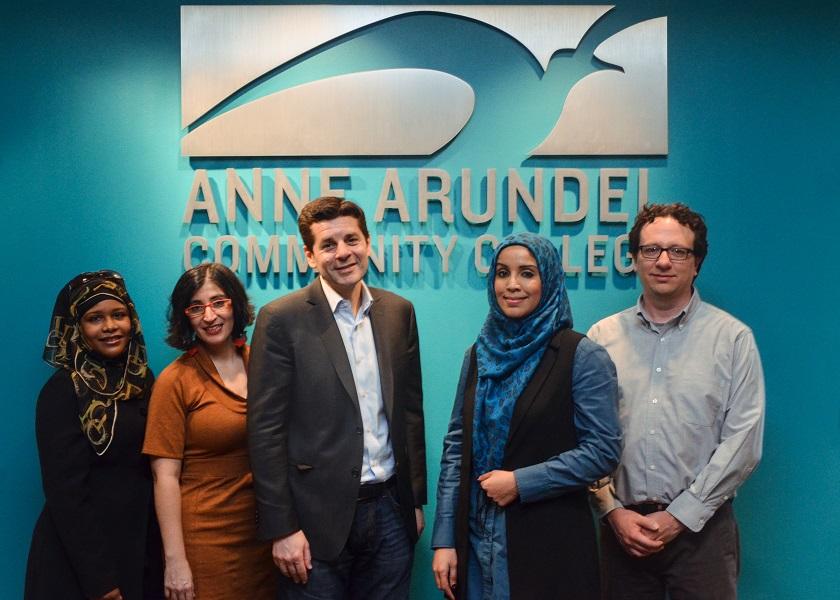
x=531, y=482
x=443, y=534
x=689, y=511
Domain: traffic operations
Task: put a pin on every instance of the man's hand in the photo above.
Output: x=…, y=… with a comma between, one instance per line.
x=669, y=526
x=420, y=520
x=635, y=533
x=292, y=557
x=500, y=486
x=445, y=568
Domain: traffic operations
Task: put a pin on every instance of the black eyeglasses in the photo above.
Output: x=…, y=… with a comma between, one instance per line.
x=675, y=253
x=197, y=310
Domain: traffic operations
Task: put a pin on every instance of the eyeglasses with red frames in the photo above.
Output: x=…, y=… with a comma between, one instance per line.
x=193, y=311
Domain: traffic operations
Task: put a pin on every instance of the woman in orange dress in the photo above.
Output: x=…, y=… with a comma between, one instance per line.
x=196, y=438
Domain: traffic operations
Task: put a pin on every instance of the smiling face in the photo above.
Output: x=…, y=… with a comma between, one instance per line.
x=214, y=326
x=517, y=282
x=666, y=283
x=339, y=253
x=106, y=328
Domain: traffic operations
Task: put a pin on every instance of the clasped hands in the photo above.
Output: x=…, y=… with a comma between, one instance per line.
x=642, y=535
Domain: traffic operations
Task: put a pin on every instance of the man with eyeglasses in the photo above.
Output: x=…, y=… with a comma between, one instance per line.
x=692, y=408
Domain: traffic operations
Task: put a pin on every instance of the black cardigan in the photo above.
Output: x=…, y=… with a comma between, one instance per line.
x=552, y=552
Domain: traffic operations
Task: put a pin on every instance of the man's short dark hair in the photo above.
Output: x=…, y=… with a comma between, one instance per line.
x=327, y=208
x=180, y=333
x=683, y=215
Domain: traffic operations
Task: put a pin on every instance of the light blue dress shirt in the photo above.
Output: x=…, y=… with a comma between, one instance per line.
x=691, y=404
x=357, y=334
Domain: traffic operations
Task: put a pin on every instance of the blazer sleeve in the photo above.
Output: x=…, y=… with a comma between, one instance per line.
x=414, y=422
x=270, y=391
x=66, y=457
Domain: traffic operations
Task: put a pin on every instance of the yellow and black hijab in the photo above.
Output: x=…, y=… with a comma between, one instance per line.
x=100, y=383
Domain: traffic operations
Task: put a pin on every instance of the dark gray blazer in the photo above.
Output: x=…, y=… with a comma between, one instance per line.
x=304, y=425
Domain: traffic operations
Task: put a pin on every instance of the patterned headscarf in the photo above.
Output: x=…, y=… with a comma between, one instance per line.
x=99, y=383
x=509, y=350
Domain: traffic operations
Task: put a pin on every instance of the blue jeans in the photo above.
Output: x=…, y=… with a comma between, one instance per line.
x=375, y=564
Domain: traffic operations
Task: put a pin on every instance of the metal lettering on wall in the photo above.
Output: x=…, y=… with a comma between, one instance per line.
x=390, y=112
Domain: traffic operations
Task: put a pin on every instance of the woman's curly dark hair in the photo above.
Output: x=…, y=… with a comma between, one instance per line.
x=180, y=333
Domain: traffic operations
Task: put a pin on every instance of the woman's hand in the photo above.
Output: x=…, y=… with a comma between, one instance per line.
x=178, y=581
x=445, y=568
x=114, y=594
x=500, y=486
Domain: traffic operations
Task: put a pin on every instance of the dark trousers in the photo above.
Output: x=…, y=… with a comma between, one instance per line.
x=375, y=564
x=693, y=566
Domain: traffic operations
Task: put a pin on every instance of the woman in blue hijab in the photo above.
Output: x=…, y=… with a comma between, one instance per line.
x=534, y=424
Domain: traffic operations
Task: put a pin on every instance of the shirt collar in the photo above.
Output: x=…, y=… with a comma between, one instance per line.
x=682, y=318
x=334, y=298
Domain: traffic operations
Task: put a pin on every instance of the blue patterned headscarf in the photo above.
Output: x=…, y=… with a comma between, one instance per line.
x=509, y=350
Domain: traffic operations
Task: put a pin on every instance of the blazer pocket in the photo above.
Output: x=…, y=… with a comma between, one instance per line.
x=303, y=468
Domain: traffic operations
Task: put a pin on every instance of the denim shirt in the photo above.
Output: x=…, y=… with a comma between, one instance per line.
x=598, y=432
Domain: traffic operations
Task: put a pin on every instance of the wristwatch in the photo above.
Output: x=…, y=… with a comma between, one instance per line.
x=597, y=485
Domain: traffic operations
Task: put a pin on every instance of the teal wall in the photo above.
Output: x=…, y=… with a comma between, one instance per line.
x=92, y=178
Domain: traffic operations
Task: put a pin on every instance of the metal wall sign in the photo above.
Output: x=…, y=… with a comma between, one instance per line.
x=405, y=112
x=268, y=91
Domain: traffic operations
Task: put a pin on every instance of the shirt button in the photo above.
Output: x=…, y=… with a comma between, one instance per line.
x=655, y=400
x=653, y=467
x=658, y=369
x=662, y=339
x=652, y=431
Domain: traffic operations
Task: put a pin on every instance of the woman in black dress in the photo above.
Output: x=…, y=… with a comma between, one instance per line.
x=90, y=540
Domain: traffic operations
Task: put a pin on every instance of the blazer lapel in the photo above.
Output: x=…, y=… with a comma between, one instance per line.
x=378, y=318
x=323, y=321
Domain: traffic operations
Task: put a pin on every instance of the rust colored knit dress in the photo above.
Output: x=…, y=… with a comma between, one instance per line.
x=193, y=417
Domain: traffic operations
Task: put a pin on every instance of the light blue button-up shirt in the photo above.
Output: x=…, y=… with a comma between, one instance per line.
x=691, y=404
x=357, y=335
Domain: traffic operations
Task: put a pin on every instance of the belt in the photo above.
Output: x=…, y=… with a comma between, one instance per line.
x=645, y=508
x=369, y=491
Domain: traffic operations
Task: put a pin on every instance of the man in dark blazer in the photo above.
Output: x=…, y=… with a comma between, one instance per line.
x=335, y=422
